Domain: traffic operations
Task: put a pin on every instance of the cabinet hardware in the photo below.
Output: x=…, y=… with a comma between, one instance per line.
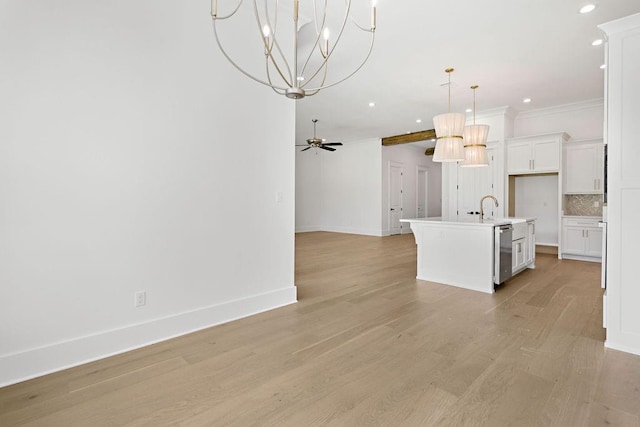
x=586, y=232
x=533, y=162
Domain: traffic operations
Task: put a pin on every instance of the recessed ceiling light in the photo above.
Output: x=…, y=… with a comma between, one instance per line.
x=596, y=42
x=408, y=132
x=526, y=100
x=603, y=66
x=433, y=140
x=419, y=121
x=587, y=8
x=468, y=110
x=372, y=104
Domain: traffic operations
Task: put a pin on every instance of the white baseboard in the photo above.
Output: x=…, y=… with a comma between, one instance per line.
x=581, y=258
x=24, y=365
x=352, y=230
x=308, y=229
x=624, y=348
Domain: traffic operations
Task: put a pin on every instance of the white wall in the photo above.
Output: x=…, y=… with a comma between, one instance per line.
x=537, y=196
x=132, y=157
x=410, y=157
x=348, y=182
x=582, y=120
x=309, y=184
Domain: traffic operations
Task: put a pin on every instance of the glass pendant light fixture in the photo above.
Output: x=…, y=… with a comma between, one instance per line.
x=302, y=70
x=475, y=141
x=449, y=128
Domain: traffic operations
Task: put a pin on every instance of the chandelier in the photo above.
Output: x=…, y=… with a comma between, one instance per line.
x=475, y=141
x=449, y=128
x=303, y=70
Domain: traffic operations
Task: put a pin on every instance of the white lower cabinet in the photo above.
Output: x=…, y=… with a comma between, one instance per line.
x=531, y=244
x=518, y=256
x=581, y=238
x=523, y=253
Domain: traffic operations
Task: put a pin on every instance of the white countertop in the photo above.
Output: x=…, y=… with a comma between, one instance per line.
x=473, y=223
x=583, y=216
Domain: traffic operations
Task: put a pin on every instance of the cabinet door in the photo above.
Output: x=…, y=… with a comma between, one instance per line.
x=593, y=242
x=518, y=158
x=573, y=240
x=582, y=169
x=518, y=254
x=531, y=242
x=546, y=156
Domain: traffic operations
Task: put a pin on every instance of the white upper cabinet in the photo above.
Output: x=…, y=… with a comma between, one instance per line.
x=534, y=154
x=583, y=168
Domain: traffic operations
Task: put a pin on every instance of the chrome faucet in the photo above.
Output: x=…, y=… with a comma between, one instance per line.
x=488, y=196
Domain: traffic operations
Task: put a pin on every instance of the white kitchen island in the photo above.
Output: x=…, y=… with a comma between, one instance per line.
x=458, y=253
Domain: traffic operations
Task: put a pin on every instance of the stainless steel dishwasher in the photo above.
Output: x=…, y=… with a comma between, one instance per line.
x=502, y=269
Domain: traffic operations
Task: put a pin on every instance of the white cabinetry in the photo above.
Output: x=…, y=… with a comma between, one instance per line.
x=582, y=239
x=523, y=253
x=534, y=154
x=583, y=168
x=622, y=110
x=518, y=255
x=531, y=244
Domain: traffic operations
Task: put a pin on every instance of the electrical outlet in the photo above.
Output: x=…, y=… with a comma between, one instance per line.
x=279, y=196
x=596, y=204
x=140, y=298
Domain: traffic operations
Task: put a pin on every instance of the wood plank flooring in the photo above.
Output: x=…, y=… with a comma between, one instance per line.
x=367, y=345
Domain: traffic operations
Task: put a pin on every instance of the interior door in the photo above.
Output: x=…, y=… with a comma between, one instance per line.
x=422, y=208
x=395, y=198
x=473, y=184
x=468, y=202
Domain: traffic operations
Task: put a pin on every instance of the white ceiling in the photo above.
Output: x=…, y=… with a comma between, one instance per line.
x=512, y=49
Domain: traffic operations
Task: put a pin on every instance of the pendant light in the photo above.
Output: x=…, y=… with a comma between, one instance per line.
x=449, y=128
x=475, y=141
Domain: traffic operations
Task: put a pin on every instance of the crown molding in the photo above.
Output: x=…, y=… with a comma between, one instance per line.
x=559, y=109
x=498, y=111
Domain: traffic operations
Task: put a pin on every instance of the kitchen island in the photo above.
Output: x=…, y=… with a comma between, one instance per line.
x=463, y=253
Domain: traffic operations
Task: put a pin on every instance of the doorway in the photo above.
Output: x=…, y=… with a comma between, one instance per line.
x=422, y=192
x=396, y=171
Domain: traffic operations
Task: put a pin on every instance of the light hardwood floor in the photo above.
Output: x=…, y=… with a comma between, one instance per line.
x=367, y=345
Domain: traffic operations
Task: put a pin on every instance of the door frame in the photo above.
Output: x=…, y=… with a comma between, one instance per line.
x=420, y=168
x=391, y=164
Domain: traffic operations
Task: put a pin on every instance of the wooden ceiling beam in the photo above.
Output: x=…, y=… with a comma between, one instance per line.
x=406, y=138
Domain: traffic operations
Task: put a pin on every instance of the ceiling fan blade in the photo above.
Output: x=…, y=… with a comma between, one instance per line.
x=333, y=143
x=305, y=149
x=327, y=148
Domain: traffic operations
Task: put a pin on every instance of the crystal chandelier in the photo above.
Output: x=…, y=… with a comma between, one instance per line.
x=449, y=128
x=303, y=70
x=475, y=141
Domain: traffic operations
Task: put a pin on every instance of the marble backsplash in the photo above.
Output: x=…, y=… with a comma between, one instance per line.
x=583, y=204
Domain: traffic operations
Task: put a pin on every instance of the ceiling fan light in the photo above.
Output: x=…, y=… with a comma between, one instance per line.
x=449, y=128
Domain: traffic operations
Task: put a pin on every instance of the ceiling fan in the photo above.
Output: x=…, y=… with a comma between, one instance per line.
x=317, y=142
